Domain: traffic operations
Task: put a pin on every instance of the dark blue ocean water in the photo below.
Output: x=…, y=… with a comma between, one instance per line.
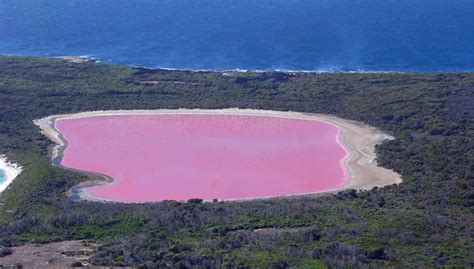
x=317, y=35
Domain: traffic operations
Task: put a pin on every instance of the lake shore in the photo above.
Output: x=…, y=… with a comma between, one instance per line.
x=357, y=138
x=12, y=170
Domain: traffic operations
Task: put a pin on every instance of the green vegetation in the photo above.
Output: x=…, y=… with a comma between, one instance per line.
x=424, y=222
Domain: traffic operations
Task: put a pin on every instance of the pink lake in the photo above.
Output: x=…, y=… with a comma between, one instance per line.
x=183, y=156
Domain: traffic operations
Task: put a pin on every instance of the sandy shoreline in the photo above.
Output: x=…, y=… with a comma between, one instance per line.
x=357, y=138
x=12, y=170
x=76, y=59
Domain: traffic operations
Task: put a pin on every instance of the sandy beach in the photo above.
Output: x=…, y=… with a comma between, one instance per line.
x=12, y=170
x=357, y=138
x=76, y=59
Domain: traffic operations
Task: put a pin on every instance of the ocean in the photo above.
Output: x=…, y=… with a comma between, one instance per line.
x=322, y=35
x=3, y=176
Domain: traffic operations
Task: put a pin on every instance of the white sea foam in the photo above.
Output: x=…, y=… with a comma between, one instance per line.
x=12, y=170
x=280, y=70
x=267, y=70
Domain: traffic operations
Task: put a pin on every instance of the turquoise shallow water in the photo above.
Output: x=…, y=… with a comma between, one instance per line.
x=3, y=176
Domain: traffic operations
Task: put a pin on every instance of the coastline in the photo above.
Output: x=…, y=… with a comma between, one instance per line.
x=93, y=59
x=358, y=139
x=261, y=71
x=12, y=170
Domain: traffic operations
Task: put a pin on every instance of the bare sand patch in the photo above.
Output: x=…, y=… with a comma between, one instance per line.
x=76, y=59
x=359, y=140
x=51, y=255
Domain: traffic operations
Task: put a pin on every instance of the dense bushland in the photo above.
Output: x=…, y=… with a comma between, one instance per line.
x=424, y=222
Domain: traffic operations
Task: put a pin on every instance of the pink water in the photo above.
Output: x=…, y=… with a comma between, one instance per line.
x=178, y=157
